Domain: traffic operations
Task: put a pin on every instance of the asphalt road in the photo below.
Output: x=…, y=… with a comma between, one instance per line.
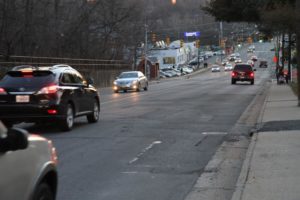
x=152, y=144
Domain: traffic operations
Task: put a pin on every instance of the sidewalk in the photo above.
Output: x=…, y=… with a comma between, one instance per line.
x=271, y=170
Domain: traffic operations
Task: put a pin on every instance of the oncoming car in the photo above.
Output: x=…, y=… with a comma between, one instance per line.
x=131, y=80
x=215, y=68
x=228, y=67
x=47, y=94
x=28, y=166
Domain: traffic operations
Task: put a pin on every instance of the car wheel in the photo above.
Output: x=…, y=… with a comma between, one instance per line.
x=43, y=192
x=68, y=121
x=232, y=81
x=94, y=117
x=146, y=87
x=252, y=82
x=138, y=89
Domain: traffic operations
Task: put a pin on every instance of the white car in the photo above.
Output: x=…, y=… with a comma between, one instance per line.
x=228, y=67
x=187, y=70
x=131, y=80
x=215, y=68
x=28, y=166
x=254, y=58
x=238, y=60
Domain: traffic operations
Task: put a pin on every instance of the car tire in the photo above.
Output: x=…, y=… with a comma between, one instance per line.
x=138, y=89
x=252, y=82
x=146, y=87
x=232, y=81
x=68, y=121
x=94, y=117
x=43, y=192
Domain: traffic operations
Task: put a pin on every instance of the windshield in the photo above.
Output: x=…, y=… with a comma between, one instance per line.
x=129, y=75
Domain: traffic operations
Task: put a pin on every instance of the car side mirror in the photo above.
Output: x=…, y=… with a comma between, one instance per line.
x=16, y=139
x=90, y=81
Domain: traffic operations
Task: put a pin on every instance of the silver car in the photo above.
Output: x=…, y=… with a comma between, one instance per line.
x=131, y=80
x=215, y=68
x=27, y=166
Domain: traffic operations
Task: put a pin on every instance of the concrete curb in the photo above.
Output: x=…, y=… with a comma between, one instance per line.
x=244, y=174
x=241, y=183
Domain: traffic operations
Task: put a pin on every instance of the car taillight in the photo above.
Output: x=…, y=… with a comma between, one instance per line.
x=251, y=74
x=54, y=158
x=52, y=89
x=233, y=74
x=27, y=74
x=2, y=91
x=52, y=111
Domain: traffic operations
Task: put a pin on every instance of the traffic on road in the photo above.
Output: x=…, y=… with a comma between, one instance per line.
x=157, y=140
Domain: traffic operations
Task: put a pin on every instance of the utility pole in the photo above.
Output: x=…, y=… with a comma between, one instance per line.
x=221, y=39
x=298, y=47
x=145, y=50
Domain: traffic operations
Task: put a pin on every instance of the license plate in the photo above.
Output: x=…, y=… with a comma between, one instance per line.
x=22, y=98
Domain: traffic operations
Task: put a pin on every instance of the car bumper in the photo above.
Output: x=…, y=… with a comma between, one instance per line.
x=242, y=79
x=29, y=113
x=125, y=87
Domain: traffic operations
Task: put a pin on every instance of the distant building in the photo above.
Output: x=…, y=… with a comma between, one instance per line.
x=174, y=55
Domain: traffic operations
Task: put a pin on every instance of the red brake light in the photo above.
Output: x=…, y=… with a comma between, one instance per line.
x=52, y=111
x=2, y=91
x=252, y=74
x=52, y=89
x=233, y=74
x=27, y=74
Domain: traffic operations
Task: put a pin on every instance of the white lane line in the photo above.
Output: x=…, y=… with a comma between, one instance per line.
x=144, y=151
x=214, y=133
x=129, y=172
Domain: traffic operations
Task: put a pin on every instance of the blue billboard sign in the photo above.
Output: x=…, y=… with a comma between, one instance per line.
x=192, y=34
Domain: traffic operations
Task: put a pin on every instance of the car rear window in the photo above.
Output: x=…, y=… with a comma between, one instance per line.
x=243, y=68
x=31, y=79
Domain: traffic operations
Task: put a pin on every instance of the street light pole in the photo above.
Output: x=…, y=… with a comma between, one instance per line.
x=221, y=39
x=145, y=50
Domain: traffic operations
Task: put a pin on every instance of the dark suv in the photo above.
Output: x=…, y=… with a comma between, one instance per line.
x=242, y=72
x=57, y=93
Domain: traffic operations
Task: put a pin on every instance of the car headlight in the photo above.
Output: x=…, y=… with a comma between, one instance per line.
x=115, y=82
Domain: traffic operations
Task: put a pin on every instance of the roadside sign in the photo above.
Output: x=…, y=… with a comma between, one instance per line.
x=192, y=34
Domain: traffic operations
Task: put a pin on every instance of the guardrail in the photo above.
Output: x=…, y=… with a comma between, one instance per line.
x=102, y=71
